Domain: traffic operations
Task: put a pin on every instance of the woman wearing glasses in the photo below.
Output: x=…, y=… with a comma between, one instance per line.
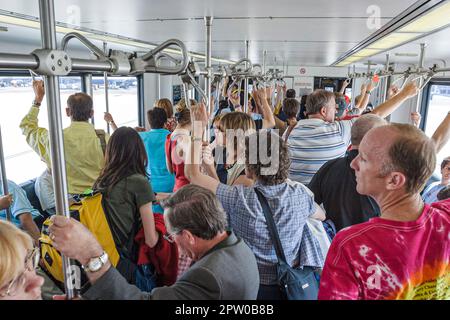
x=18, y=278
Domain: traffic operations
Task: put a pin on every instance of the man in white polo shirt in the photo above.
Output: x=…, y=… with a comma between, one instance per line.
x=320, y=138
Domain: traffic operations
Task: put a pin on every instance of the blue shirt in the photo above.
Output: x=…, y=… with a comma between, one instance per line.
x=161, y=179
x=20, y=204
x=291, y=206
x=430, y=194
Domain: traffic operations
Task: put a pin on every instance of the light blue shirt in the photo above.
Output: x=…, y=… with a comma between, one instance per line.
x=161, y=179
x=430, y=194
x=20, y=204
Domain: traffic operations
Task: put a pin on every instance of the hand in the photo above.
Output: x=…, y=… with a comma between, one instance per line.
x=346, y=83
x=371, y=86
x=6, y=201
x=415, y=118
x=364, y=88
x=410, y=90
x=262, y=94
x=39, y=90
x=235, y=99
x=269, y=91
x=292, y=122
x=207, y=154
x=139, y=129
x=73, y=239
x=108, y=117
x=199, y=116
x=162, y=196
x=393, y=90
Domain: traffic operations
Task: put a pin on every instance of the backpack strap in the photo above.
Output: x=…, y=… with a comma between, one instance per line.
x=102, y=136
x=272, y=227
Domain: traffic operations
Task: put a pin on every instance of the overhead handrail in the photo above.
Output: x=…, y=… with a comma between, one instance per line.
x=74, y=35
x=149, y=61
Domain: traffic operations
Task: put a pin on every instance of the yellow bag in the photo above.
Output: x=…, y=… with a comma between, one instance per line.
x=91, y=214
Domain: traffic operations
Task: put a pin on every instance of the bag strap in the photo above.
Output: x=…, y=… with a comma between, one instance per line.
x=272, y=227
x=102, y=136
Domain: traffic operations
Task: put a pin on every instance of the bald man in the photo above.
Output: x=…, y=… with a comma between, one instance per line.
x=404, y=253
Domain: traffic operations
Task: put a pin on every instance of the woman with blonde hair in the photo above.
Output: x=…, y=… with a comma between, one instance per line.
x=18, y=264
x=166, y=104
x=232, y=130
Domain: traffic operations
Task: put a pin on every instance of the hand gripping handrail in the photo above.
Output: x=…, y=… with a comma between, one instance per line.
x=73, y=35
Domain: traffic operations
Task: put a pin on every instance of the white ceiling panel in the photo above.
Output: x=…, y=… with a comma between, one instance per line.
x=313, y=32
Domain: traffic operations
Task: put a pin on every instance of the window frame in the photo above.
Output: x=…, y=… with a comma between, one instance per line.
x=425, y=101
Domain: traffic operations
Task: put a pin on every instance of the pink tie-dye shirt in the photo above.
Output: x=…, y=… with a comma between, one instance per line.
x=385, y=259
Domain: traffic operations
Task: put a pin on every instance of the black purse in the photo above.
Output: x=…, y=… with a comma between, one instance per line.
x=295, y=284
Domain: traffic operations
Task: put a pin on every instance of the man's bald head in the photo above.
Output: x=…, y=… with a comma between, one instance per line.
x=403, y=148
x=363, y=125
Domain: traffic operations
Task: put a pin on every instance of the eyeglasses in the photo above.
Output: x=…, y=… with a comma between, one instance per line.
x=31, y=263
x=170, y=236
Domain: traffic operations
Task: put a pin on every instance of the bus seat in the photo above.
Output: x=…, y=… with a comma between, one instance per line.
x=28, y=187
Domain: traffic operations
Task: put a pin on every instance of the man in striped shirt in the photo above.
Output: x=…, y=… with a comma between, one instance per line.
x=320, y=138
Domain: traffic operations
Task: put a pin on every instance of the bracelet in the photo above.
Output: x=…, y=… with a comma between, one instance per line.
x=37, y=104
x=196, y=139
x=368, y=92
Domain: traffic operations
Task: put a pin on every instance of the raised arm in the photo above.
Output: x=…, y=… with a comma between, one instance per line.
x=268, y=117
x=344, y=85
x=109, y=119
x=442, y=134
x=194, y=150
x=36, y=137
x=385, y=109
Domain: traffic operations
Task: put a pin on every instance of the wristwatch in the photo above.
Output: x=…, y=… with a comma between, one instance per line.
x=37, y=104
x=97, y=263
x=368, y=92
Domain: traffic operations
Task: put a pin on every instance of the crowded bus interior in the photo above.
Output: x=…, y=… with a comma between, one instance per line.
x=225, y=150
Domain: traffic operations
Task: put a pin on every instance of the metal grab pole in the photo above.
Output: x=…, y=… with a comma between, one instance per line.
x=353, y=88
x=246, y=79
x=209, y=106
x=48, y=34
x=87, y=86
x=4, y=178
x=105, y=79
x=421, y=67
x=264, y=62
x=386, y=80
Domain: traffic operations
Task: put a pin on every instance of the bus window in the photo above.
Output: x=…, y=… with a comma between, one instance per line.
x=16, y=93
x=438, y=107
x=122, y=98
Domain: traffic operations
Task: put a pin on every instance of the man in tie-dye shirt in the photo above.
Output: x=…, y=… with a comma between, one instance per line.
x=404, y=254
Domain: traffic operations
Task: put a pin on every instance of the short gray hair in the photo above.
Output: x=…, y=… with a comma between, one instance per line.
x=363, y=125
x=197, y=210
x=317, y=100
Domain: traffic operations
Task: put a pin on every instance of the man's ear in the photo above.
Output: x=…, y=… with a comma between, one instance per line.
x=323, y=111
x=68, y=112
x=189, y=237
x=395, y=180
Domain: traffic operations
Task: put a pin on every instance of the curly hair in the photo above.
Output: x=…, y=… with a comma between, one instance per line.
x=267, y=157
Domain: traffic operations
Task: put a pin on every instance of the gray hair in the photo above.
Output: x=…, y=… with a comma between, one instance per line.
x=317, y=100
x=363, y=125
x=197, y=210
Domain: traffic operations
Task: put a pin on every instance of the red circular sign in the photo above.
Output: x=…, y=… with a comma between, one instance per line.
x=302, y=70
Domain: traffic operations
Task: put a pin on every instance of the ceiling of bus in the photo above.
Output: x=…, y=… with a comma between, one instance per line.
x=294, y=32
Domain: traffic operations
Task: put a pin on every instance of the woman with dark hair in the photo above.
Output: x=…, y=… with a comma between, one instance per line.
x=127, y=193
